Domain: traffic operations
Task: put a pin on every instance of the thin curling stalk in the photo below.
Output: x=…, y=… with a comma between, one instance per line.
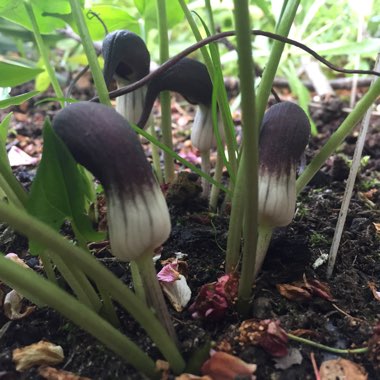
x=189, y=78
x=284, y=135
x=138, y=218
x=126, y=58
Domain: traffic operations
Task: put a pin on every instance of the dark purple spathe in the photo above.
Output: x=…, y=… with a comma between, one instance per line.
x=126, y=55
x=103, y=142
x=284, y=135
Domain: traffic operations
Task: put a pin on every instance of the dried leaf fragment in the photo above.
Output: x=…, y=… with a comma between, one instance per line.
x=375, y=292
x=342, y=369
x=223, y=366
x=377, y=227
x=163, y=367
x=50, y=373
x=189, y=376
x=266, y=333
x=41, y=353
x=293, y=293
x=13, y=305
x=304, y=291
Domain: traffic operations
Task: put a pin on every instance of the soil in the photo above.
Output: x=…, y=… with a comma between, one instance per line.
x=345, y=322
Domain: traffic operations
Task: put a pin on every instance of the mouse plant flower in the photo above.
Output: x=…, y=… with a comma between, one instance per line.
x=191, y=79
x=138, y=218
x=284, y=135
x=126, y=58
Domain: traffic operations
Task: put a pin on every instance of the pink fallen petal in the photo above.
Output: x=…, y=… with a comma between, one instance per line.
x=17, y=157
x=191, y=157
x=169, y=272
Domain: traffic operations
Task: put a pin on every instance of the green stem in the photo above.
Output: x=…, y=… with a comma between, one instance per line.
x=138, y=285
x=48, y=266
x=47, y=237
x=361, y=350
x=237, y=210
x=108, y=310
x=250, y=158
x=156, y=155
x=76, y=12
x=265, y=235
x=166, y=116
x=213, y=67
x=166, y=128
x=283, y=27
x=332, y=144
x=78, y=282
x=235, y=226
x=206, y=167
x=29, y=284
x=210, y=15
x=9, y=192
x=153, y=292
x=218, y=178
x=43, y=51
x=184, y=162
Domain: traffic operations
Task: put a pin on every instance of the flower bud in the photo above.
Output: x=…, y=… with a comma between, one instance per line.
x=103, y=142
x=284, y=135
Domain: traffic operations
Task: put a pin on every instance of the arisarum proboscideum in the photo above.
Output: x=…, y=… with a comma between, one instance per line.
x=126, y=58
x=191, y=79
x=285, y=132
x=138, y=218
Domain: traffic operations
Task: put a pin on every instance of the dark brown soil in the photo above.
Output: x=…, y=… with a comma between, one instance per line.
x=345, y=323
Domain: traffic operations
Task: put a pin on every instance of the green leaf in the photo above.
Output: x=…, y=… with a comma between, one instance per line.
x=16, y=100
x=8, y=5
x=46, y=24
x=173, y=11
x=42, y=81
x=14, y=73
x=140, y=5
x=113, y=17
x=4, y=126
x=59, y=191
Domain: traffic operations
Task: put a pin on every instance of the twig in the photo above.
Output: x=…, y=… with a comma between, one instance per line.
x=315, y=366
x=349, y=186
x=165, y=66
x=346, y=314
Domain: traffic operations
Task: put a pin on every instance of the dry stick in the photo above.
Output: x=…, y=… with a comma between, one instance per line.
x=349, y=186
x=165, y=66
